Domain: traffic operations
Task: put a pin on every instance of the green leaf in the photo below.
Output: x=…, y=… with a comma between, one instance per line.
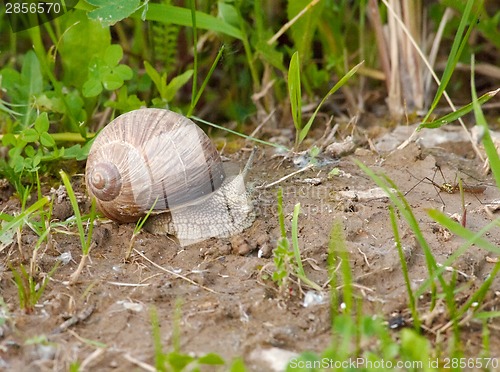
x=20, y=219
x=304, y=28
x=459, y=113
x=92, y=88
x=15, y=152
x=238, y=366
x=489, y=145
x=111, y=11
x=113, y=55
x=30, y=151
x=6, y=237
x=182, y=16
x=47, y=140
x=340, y=83
x=415, y=347
x=74, y=104
x=124, y=72
x=211, y=359
x=334, y=172
x=179, y=361
x=76, y=152
x=159, y=103
x=459, y=42
x=112, y=81
x=12, y=85
x=318, y=76
x=125, y=102
x=31, y=75
x=49, y=101
x=36, y=161
x=106, y=72
x=159, y=81
x=42, y=123
x=18, y=165
x=95, y=68
x=82, y=38
x=22, y=88
x=270, y=54
x=294, y=91
x=29, y=135
x=228, y=13
x=9, y=140
x=177, y=83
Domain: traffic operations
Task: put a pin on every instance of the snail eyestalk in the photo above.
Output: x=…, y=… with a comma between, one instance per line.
x=249, y=163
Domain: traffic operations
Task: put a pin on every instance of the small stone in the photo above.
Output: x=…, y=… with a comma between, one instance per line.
x=273, y=359
x=265, y=251
x=241, y=246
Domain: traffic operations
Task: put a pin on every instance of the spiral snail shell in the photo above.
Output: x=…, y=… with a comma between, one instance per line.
x=155, y=157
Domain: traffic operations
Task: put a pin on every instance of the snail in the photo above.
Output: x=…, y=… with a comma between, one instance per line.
x=156, y=159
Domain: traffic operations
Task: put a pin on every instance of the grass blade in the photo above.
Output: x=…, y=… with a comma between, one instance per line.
x=195, y=55
x=295, y=94
x=456, y=50
x=257, y=140
x=479, y=295
x=338, y=248
x=340, y=83
x=445, y=221
x=76, y=210
x=489, y=146
x=295, y=239
x=281, y=213
x=398, y=199
x=404, y=269
x=14, y=223
x=301, y=274
x=457, y=229
x=205, y=82
x=459, y=113
x=182, y=16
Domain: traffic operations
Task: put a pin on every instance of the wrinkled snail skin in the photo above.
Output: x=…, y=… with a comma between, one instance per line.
x=225, y=213
x=157, y=157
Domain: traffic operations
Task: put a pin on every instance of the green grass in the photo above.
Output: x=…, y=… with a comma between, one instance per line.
x=175, y=360
x=85, y=236
x=456, y=312
x=287, y=260
x=28, y=290
x=360, y=341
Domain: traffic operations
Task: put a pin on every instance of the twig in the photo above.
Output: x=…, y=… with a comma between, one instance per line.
x=309, y=166
x=141, y=364
x=74, y=277
x=128, y=284
x=289, y=24
x=80, y=317
x=89, y=359
x=174, y=273
x=266, y=119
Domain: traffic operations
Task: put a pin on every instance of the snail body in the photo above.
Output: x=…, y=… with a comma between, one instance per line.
x=155, y=159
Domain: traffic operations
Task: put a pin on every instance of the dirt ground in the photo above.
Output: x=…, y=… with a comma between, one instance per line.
x=227, y=305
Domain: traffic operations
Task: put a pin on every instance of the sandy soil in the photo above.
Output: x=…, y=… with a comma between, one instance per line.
x=227, y=303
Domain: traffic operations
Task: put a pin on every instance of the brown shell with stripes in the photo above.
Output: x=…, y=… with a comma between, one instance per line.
x=151, y=157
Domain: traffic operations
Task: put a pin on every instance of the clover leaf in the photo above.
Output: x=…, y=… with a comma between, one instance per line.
x=106, y=72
